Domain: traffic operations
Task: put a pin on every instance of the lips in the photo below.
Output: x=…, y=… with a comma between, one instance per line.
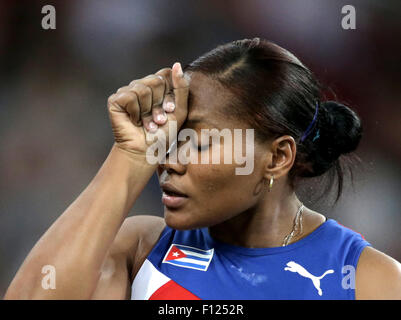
x=170, y=189
x=173, y=197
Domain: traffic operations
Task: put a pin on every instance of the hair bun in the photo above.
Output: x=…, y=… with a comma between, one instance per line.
x=342, y=126
x=340, y=131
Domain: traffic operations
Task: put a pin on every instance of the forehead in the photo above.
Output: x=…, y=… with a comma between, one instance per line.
x=206, y=99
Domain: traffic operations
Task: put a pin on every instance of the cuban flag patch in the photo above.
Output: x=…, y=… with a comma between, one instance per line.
x=188, y=257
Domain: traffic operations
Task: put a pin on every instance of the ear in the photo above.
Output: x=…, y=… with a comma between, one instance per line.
x=281, y=158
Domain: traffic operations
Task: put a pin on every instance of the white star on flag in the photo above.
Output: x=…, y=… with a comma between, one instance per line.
x=184, y=256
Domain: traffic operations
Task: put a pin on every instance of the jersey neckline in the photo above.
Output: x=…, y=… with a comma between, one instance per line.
x=218, y=245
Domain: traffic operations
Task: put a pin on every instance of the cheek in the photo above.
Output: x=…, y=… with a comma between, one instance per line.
x=222, y=179
x=219, y=187
x=210, y=179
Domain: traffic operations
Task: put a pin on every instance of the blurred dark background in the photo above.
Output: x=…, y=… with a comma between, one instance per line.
x=54, y=127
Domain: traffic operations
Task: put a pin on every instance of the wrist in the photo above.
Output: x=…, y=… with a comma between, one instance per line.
x=122, y=166
x=132, y=156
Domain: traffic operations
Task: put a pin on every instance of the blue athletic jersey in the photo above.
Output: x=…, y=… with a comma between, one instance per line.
x=192, y=265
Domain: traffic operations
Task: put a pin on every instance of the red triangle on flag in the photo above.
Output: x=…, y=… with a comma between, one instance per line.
x=175, y=253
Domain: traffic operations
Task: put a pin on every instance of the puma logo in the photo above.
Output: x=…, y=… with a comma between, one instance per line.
x=295, y=267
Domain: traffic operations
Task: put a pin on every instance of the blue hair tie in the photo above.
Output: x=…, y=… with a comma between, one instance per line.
x=310, y=127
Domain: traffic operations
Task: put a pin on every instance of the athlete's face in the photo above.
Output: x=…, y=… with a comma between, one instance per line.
x=214, y=192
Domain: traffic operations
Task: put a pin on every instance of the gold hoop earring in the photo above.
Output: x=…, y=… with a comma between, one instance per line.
x=271, y=183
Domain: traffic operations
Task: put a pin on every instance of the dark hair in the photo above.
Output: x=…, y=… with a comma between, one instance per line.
x=283, y=95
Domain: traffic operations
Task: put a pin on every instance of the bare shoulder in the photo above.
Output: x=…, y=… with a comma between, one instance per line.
x=147, y=228
x=133, y=239
x=136, y=238
x=137, y=231
x=378, y=276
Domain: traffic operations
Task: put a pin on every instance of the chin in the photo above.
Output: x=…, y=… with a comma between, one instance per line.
x=179, y=220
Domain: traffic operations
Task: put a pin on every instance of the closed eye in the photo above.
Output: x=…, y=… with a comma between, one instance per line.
x=203, y=148
x=200, y=148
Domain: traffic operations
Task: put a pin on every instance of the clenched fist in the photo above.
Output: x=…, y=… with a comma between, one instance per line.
x=138, y=110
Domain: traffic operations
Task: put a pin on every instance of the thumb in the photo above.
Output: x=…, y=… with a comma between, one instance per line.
x=179, y=79
x=181, y=91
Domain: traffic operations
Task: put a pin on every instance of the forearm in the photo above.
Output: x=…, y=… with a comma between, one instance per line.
x=77, y=242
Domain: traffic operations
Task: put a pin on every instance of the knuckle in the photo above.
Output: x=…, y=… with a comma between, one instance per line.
x=137, y=85
x=157, y=81
x=132, y=96
x=120, y=95
x=154, y=81
x=133, y=82
x=143, y=90
x=122, y=89
x=111, y=98
x=164, y=71
x=128, y=97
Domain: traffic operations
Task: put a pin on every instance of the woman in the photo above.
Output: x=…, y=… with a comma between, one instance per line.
x=224, y=235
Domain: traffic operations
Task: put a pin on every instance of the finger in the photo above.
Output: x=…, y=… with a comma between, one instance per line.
x=121, y=100
x=149, y=124
x=124, y=88
x=112, y=106
x=128, y=100
x=149, y=128
x=133, y=109
x=158, y=85
x=166, y=74
x=144, y=94
x=159, y=115
x=169, y=103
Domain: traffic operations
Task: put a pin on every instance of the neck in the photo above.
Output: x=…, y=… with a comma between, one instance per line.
x=264, y=225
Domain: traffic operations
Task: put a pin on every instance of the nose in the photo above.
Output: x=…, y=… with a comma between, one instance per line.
x=171, y=168
x=172, y=164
